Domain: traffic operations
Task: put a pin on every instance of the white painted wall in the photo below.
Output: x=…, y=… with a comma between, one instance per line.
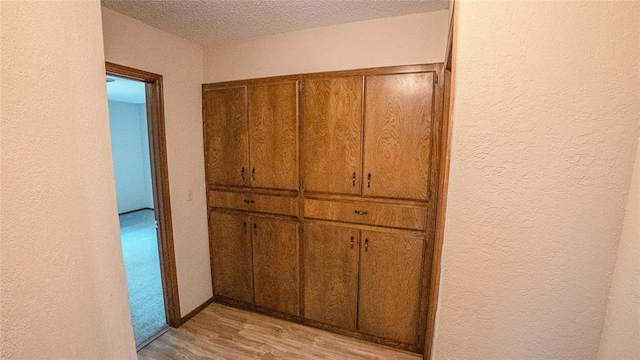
x=131, y=161
x=62, y=286
x=621, y=332
x=401, y=40
x=544, y=129
x=132, y=43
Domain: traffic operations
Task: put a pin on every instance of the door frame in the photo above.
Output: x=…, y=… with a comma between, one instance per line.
x=160, y=181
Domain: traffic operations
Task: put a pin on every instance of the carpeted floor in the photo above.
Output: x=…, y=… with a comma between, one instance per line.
x=142, y=266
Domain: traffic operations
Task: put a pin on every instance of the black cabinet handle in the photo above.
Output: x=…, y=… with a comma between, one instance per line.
x=353, y=179
x=244, y=226
x=360, y=212
x=247, y=201
x=253, y=173
x=255, y=229
x=369, y=180
x=366, y=244
x=242, y=172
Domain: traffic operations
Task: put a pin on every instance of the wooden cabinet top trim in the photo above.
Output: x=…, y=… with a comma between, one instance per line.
x=364, y=199
x=371, y=228
x=231, y=86
x=212, y=209
x=253, y=190
x=403, y=69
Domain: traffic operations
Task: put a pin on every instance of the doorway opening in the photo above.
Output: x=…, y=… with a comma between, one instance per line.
x=136, y=120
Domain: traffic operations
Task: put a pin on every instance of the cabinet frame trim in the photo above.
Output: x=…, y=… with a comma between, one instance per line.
x=388, y=70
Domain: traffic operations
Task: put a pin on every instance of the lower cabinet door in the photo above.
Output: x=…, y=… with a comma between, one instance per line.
x=231, y=254
x=390, y=278
x=276, y=264
x=330, y=274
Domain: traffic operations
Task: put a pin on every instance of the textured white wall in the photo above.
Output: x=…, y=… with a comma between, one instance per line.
x=545, y=119
x=130, y=42
x=62, y=286
x=621, y=332
x=400, y=40
x=131, y=161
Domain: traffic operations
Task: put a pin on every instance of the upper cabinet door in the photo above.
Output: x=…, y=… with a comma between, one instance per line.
x=397, y=135
x=332, y=135
x=273, y=134
x=226, y=139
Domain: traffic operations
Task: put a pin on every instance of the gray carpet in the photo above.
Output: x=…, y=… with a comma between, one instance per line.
x=142, y=267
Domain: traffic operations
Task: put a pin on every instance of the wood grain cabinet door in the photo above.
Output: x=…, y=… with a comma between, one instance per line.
x=273, y=135
x=332, y=135
x=390, y=278
x=276, y=264
x=226, y=136
x=231, y=255
x=331, y=274
x=397, y=135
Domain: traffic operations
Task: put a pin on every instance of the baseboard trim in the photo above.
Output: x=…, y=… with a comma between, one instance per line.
x=195, y=311
x=132, y=211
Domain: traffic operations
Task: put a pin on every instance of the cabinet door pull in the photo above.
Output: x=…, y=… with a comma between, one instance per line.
x=353, y=179
x=352, y=238
x=255, y=229
x=247, y=201
x=253, y=173
x=242, y=172
x=369, y=180
x=366, y=244
x=359, y=212
x=244, y=226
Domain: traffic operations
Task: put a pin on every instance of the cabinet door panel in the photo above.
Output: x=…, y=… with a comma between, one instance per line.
x=232, y=263
x=332, y=134
x=390, y=278
x=273, y=135
x=276, y=264
x=226, y=136
x=398, y=135
x=330, y=274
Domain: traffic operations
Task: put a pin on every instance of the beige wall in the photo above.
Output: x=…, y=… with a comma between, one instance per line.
x=130, y=42
x=621, y=332
x=62, y=285
x=401, y=40
x=544, y=128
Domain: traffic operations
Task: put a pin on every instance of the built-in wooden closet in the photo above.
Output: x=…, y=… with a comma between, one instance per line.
x=322, y=195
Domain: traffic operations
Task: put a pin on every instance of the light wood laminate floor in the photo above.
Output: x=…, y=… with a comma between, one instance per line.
x=222, y=332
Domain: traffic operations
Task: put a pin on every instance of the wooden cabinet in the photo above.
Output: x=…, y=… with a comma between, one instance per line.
x=258, y=203
x=366, y=145
x=248, y=250
x=366, y=212
x=397, y=135
x=391, y=159
x=251, y=135
x=390, y=278
x=231, y=256
x=331, y=274
x=273, y=135
x=276, y=264
x=387, y=267
x=226, y=136
x=332, y=135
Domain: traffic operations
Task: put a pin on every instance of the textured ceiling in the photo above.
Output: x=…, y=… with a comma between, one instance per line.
x=220, y=21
